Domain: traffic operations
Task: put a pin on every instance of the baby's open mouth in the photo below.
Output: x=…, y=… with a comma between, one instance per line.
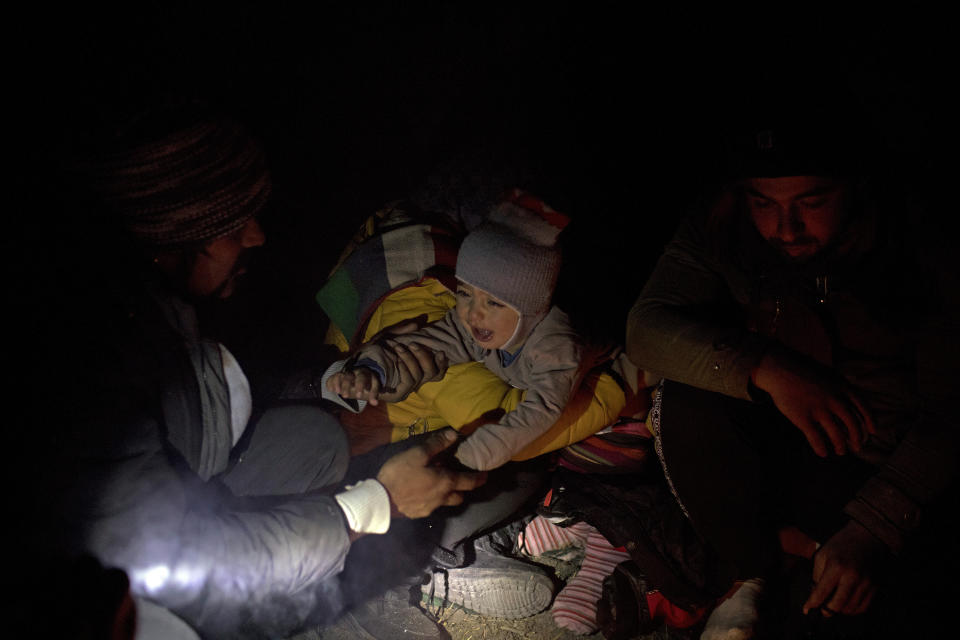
x=481, y=335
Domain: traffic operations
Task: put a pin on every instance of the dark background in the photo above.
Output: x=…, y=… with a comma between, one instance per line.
x=612, y=113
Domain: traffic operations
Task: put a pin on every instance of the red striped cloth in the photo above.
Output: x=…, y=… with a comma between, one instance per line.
x=530, y=202
x=624, y=448
x=575, y=607
x=542, y=536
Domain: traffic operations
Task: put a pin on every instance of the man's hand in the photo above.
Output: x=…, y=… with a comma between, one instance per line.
x=417, y=364
x=816, y=400
x=843, y=572
x=359, y=383
x=417, y=487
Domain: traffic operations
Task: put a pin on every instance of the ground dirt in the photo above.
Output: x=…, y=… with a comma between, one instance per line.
x=462, y=625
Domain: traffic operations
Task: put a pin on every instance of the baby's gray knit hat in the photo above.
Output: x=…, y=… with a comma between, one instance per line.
x=514, y=255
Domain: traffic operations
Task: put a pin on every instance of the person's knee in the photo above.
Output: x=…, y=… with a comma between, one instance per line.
x=330, y=441
x=339, y=454
x=688, y=415
x=317, y=438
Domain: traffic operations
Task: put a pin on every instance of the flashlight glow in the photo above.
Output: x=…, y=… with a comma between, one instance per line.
x=153, y=578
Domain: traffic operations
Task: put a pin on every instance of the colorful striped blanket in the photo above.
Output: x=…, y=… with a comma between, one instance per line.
x=396, y=246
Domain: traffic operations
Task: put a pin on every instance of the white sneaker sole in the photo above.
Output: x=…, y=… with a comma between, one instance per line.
x=490, y=593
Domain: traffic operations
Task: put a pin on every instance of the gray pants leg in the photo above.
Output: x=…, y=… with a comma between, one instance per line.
x=407, y=550
x=291, y=450
x=507, y=490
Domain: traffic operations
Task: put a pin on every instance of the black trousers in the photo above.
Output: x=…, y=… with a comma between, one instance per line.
x=742, y=471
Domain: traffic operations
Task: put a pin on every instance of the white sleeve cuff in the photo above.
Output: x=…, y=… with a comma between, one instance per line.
x=366, y=506
x=356, y=406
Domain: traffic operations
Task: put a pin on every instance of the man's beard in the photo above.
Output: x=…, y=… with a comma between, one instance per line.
x=801, y=250
x=229, y=285
x=218, y=310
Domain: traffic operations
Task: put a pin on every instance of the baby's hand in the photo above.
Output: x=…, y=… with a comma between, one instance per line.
x=359, y=383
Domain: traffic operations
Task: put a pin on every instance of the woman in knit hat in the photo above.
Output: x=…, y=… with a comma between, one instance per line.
x=507, y=270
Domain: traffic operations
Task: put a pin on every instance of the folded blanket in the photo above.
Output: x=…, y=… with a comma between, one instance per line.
x=400, y=266
x=394, y=247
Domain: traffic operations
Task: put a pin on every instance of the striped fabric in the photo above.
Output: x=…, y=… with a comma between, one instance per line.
x=575, y=607
x=542, y=537
x=393, y=248
x=182, y=186
x=622, y=448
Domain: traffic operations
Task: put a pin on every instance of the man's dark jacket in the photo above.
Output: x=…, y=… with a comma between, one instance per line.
x=873, y=307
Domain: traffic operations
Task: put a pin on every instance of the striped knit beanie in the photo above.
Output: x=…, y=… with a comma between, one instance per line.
x=183, y=186
x=514, y=256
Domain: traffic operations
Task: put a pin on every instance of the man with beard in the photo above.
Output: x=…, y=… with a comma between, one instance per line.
x=802, y=336
x=234, y=518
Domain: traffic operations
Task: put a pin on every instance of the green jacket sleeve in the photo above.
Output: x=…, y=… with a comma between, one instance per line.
x=672, y=330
